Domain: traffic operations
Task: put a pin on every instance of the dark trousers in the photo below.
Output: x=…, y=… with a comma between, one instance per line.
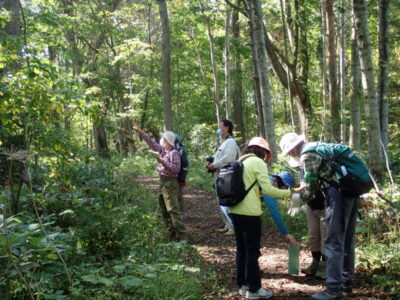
x=248, y=234
x=341, y=217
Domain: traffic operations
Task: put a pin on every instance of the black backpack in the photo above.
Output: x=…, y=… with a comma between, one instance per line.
x=229, y=184
x=184, y=163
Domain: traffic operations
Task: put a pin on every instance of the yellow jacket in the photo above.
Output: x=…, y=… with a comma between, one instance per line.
x=256, y=169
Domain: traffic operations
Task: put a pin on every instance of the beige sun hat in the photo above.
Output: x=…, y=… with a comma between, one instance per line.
x=289, y=141
x=261, y=142
x=169, y=137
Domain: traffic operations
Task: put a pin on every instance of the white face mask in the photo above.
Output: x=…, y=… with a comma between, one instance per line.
x=294, y=162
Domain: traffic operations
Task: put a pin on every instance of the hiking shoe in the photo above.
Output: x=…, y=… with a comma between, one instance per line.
x=222, y=230
x=325, y=295
x=321, y=271
x=260, y=294
x=229, y=233
x=243, y=290
x=347, y=290
x=311, y=269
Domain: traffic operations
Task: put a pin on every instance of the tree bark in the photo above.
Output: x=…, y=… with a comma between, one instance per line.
x=334, y=101
x=228, y=29
x=371, y=100
x=237, y=98
x=286, y=29
x=166, y=65
x=12, y=171
x=342, y=75
x=356, y=93
x=217, y=99
x=256, y=75
x=384, y=61
x=265, y=87
x=299, y=92
x=325, y=83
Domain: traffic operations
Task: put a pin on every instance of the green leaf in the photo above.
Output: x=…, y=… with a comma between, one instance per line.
x=131, y=281
x=52, y=256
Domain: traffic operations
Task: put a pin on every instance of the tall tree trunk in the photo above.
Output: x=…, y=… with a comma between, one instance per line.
x=356, y=93
x=342, y=75
x=299, y=92
x=256, y=75
x=100, y=139
x=12, y=171
x=383, y=80
x=237, y=80
x=166, y=65
x=217, y=99
x=334, y=101
x=371, y=100
x=286, y=29
x=265, y=87
x=325, y=83
x=228, y=29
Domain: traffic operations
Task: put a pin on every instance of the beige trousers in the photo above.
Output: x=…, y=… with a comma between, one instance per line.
x=316, y=230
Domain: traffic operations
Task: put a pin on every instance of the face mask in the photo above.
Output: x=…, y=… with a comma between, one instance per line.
x=219, y=132
x=294, y=162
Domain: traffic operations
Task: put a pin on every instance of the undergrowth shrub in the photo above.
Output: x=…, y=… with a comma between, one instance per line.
x=100, y=238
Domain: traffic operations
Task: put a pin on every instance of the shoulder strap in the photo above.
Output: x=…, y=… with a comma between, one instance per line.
x=242, y=160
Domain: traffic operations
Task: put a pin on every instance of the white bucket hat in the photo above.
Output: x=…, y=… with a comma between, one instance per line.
x=289, y=141
x=169, y=137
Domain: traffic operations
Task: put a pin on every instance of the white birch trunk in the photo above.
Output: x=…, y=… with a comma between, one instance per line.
x=368, y=83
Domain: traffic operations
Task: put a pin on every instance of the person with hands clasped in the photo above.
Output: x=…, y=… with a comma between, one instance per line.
x=246, y=216
x=169, y=163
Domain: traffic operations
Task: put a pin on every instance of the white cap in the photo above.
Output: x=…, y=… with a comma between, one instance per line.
x=169, y=137
x=289, y=141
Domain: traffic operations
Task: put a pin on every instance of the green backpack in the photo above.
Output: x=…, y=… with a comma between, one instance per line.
x=350, y=170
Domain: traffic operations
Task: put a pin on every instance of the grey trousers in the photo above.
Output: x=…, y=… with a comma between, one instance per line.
x=341, y=217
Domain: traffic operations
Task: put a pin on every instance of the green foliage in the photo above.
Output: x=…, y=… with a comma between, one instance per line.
x=103, y=225
x=378, y=250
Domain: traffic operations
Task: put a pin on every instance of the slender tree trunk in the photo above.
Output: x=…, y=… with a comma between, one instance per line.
x=285, y=35
x=299, y=92
x=265, y=87
x=334, y=101
x=237, y=80
x=228, y=29
x=384, y=61
x=325, y=83
x=256, y=75
x=342, y=75
x=217, y=100
x=356, y=93
x=371, y=100
x=12, y=171
x=166, y=65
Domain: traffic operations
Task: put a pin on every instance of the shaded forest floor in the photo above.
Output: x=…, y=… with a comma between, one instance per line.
x=202, y=217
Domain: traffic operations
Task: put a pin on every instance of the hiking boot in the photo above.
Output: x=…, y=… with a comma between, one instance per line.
x=229, y=233
x=260, y=294
x=347, y=290
x=243, y=290
x=222, y=230
x=321, y=271
x=311, y=269
x=326, y=295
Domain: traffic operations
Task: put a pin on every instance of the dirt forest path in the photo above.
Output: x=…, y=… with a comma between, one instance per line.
x=202, y=217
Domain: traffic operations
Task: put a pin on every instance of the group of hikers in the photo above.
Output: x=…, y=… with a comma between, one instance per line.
x=331, y=212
